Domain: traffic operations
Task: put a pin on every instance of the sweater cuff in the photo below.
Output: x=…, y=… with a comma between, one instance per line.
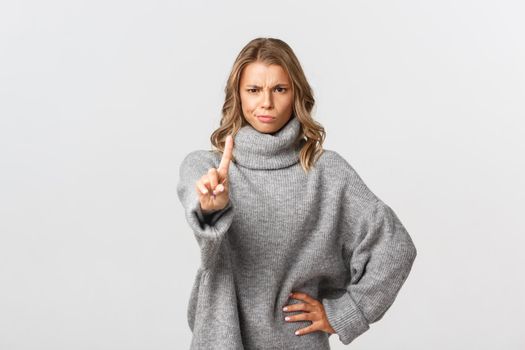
x=211, y=218
x=209, y=230
x=212, y=225
x=345, y=317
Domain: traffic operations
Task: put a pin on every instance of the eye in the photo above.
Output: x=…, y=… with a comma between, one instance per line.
x=251, y=90
x=282, y=89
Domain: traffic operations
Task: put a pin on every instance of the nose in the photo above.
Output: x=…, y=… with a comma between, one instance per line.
x=267, y=99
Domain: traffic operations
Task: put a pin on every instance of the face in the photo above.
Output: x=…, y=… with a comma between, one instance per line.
x=266, y=90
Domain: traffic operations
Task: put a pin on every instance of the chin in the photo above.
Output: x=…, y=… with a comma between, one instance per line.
x=266, y=130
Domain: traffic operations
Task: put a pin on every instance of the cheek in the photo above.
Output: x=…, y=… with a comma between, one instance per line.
x=248, y=104
x=286, y=103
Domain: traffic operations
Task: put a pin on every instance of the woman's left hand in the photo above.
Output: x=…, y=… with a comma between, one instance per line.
x=314, y=312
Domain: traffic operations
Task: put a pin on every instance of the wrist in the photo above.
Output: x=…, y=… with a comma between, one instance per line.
x=211, y=211
x=206, y=212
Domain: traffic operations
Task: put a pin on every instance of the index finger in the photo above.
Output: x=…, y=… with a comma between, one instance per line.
x=227, y=154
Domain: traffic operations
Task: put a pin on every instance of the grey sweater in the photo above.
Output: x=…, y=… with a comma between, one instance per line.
x=323, y=233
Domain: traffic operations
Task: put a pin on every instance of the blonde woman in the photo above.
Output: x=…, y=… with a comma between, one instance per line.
x=294, y=246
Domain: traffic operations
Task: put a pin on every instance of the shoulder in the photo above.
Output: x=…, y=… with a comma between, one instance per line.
x=332, y=161
x=332, y=158
x=340, y=169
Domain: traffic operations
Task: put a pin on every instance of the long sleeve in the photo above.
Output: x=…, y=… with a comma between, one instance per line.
x=379, y=254
x=209, y=229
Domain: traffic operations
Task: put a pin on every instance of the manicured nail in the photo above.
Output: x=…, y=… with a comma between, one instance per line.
x=287, y=318
x=204, y=191
x=285, y=308
x=296, y=332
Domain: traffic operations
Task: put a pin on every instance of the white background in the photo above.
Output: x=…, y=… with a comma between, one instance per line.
x=101, y=100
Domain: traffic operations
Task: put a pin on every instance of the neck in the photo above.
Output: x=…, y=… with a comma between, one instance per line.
x=255, y=150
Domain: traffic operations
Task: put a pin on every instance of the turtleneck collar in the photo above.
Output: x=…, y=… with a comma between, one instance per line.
x=255, y=150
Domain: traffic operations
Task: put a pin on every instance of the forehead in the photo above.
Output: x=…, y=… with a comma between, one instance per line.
x=258, y=72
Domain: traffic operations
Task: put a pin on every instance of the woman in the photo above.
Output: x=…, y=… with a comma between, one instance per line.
x=273, y=214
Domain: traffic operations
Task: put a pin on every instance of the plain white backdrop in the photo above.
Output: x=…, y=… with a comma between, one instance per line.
x=101, y=100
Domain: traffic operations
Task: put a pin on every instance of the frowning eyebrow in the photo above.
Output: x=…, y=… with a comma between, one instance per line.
x=258, y=87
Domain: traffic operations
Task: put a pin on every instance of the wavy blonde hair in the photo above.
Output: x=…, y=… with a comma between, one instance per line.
x=271, y=51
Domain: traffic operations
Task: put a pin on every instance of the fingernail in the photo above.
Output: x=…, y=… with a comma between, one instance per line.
x=296, y=332
x=285, y=309
x=204, y=191
x=287, y=318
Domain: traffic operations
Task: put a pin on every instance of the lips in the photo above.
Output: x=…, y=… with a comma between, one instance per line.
x=265, y=119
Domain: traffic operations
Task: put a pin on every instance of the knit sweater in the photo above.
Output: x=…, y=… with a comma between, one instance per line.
x=324, y=233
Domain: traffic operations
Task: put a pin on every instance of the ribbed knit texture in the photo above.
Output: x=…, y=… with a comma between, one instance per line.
x=256, y=150
x=324, y=233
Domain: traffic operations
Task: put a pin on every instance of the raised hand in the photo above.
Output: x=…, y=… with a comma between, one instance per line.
x=213, y=187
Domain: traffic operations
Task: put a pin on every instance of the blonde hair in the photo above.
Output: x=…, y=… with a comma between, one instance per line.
x=271, y=51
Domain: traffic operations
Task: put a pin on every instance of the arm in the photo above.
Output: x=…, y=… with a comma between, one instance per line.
x=209, y=229
x=379, y=253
